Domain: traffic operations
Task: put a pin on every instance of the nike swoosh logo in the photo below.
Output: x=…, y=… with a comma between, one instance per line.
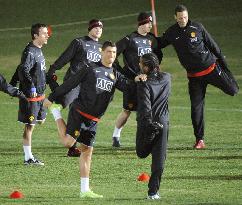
x=98, y=71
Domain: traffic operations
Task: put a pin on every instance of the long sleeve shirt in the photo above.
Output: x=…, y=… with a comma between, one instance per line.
x=194, y=46
x=97, y=88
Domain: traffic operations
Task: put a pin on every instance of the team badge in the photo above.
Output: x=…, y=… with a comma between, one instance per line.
x=31, y=118
x=193, y=34
x=100, y=49
x=111, y=75
x=76, y=133
x=150, y=42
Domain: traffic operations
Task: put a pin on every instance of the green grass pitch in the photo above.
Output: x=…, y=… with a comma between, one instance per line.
x=210, y=176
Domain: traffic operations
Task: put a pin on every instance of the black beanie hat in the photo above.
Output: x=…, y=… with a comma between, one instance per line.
x=144, y=18
x=94, y=23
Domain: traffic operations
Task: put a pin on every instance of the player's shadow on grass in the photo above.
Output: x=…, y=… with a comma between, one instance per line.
x=214, y=177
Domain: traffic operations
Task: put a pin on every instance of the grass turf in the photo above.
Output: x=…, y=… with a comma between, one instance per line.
x=211, y=176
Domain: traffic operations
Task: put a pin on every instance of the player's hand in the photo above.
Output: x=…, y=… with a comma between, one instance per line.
x=47, y=103
x=141, y=77
x=33, y=92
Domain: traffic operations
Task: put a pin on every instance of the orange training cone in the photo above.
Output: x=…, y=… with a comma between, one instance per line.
x=16, y=195
x=144, y=177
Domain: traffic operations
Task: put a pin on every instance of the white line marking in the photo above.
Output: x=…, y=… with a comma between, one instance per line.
x=71, y=24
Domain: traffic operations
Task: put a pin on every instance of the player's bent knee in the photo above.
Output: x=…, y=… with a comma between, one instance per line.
x=142, y=153
x=68, y=141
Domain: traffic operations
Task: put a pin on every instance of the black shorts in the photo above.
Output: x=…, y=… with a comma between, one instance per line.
x=81, y=128
x=31, y=112
x=130, y=98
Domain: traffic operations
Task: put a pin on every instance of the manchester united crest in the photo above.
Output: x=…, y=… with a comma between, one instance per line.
x=193, y=34
x=111, y=75
x=31, y=118
x=76, y=133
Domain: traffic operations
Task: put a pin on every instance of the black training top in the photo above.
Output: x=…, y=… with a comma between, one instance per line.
x=132, y=47
x=194, y=46
x=80, y=51
x=98, y=84
x=9, y=89
x=31, y=71
x=153, y=98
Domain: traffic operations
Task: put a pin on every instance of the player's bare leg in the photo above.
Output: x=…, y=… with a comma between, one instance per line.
x=29, y=159
x=120, y=122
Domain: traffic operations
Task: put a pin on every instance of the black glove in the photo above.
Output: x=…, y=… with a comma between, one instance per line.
x=51, y=79
x=153, y=129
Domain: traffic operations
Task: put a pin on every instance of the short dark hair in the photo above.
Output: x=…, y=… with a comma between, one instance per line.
x=180, y=8
x=35, y=29
x=151, y=61
x=107, y=44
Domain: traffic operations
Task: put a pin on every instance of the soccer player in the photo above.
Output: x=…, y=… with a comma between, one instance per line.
x=81, y=50
x=204, y=62
x=132, y=47
x=9, y=89
x=31, y=74
x=153, y=119
x=98, y=82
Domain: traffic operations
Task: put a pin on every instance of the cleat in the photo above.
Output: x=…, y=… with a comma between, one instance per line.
x=55, y=106
x=199, y=144
x=153, y=197
x=90, y=194
x=34, y=161
x=73, y=152
x=116, y=142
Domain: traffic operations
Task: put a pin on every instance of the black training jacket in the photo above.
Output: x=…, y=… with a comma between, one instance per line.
x=98, y=84
x=80, y=51
x=132, y=47
x=31, y=71
x=9, y=89
x=194, y=46
x=152, y=98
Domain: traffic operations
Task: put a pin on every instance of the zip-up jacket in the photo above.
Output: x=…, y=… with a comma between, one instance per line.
x=194, y=46
x=153, y=98
x=97, y=88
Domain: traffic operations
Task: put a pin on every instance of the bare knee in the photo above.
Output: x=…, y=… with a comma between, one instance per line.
x=28, y=128
x=122, y=118
x=68, y=141
x=86, y=151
